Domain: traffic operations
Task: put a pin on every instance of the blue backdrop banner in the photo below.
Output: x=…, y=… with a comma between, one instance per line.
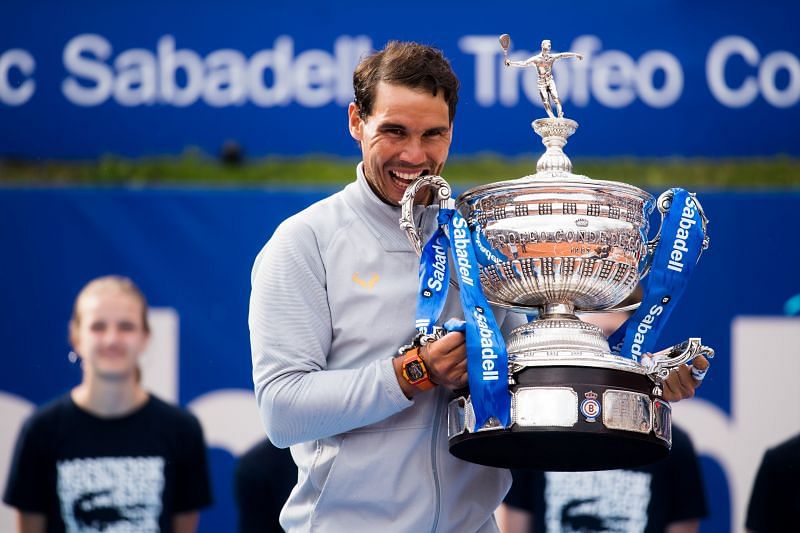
x=82, y=79
x=191, y=251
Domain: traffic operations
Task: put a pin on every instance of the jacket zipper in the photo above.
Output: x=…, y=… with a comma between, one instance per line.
x=434, y=441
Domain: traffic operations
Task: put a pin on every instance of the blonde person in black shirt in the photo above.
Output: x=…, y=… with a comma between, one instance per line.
x=109, y=455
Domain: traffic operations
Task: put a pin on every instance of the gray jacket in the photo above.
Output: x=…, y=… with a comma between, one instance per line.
x=333, y=298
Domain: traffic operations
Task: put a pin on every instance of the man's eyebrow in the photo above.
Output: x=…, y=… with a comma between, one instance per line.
x=437, y=129
x=391, y=126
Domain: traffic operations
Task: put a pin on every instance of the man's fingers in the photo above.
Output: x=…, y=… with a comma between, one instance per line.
x=450, y=342
x=685, y=381
x=699, y=368
x=446, y=360
x=679, y=385
x=460, y=376
x=671, y=393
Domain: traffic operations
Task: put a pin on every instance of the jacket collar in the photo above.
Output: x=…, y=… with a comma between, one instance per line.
x=382, y=219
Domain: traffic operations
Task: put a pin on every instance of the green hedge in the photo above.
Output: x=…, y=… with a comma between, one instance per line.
x=194, y=168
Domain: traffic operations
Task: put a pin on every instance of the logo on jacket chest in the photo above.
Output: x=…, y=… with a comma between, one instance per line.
x=368, y=283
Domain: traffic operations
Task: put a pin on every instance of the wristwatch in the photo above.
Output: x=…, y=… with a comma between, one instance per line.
x=414, y=370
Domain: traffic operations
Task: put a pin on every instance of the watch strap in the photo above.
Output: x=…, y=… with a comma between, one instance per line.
x=415, y=372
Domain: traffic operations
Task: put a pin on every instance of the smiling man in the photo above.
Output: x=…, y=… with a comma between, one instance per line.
x=368, y=429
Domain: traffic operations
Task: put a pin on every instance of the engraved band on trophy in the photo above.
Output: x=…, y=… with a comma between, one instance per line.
x=564, y=243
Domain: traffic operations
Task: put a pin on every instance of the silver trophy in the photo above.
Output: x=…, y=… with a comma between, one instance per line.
x=570, y=243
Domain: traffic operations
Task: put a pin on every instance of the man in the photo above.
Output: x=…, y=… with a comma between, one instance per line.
x=334, y=295
x=109, y=456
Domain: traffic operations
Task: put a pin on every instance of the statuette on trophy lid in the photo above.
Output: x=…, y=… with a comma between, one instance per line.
x=543, y=61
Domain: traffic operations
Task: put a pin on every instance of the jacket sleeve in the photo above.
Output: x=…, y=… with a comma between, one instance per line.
x=298, y=397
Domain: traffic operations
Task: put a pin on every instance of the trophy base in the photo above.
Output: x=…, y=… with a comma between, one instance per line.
x=568, y=419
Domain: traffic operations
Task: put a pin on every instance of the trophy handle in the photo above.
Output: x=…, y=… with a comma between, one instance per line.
x=663, y=203
x=662, y=363
x=407, y=206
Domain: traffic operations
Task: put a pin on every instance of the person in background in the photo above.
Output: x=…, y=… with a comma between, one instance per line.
x=263, y=480
x=109, y=456
x=667, y=496
x=775, y=499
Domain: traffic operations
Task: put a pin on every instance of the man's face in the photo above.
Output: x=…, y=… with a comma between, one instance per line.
x=110, y=335
x=407, y=136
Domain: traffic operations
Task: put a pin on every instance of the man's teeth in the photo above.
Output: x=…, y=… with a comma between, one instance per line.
x=406, y=176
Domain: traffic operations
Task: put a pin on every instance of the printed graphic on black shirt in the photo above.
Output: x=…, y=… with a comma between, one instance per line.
x=614, y=500
x=111, y=494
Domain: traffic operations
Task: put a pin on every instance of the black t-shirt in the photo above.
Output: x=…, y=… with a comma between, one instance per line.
x=264, y=477
x=86, y=473
x=775, y=500
x=645, y=499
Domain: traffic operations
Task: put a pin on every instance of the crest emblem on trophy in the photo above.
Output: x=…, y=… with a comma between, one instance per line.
x=552, y=245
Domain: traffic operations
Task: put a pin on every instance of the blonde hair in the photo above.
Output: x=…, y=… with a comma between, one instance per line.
x=120, y=283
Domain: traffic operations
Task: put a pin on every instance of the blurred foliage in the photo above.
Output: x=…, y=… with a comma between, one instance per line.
x=195, y=168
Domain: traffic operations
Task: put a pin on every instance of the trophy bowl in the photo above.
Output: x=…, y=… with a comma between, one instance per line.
x=561, y=238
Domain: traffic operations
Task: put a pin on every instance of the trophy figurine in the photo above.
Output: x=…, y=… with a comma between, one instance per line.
x=551, y=245
x=543, y=62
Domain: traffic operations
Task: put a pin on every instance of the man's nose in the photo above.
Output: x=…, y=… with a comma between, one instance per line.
x=413, y=152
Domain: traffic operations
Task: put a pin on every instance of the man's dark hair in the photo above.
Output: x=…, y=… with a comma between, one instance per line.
x=412, y=65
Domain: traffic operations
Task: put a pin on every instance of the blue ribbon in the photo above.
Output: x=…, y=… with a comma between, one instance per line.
x=485, y=253
x=434, y=277
x=487, y=359
x=673, y=263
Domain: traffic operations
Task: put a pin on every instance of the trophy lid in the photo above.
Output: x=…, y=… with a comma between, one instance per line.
x=552, y=181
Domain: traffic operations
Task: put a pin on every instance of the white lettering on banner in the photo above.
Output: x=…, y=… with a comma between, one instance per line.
x=225, y=83
x=181, y=77
x=649, y=64
x=170, y=62
x=22, y=61
x=98, y=73
x=279, y=76
x=485, y=50
x=614, y=77
x=135, y=83
x=743, y=94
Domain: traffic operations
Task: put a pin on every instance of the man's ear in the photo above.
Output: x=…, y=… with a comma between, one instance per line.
x=355, y=122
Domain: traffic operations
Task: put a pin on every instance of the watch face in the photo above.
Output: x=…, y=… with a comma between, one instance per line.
x=414, y=371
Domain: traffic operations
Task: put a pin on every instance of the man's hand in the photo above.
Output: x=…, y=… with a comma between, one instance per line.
x=681, y=384
x=446, y=361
